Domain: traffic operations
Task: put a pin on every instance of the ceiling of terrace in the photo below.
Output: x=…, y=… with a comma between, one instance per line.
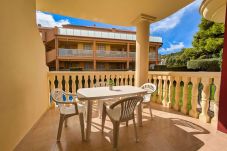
x=116, y=12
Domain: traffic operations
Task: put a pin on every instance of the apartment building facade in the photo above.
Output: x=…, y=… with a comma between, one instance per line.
x=91, y=48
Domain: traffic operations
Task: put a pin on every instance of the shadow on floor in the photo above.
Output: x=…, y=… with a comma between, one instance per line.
x=159, y=134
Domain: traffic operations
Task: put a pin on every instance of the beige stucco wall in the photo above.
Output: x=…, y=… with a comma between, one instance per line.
x=23, y=78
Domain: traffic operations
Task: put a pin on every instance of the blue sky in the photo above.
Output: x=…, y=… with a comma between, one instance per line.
x=176, y=31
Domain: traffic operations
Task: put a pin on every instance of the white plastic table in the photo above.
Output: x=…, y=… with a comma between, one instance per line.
x=90, y=94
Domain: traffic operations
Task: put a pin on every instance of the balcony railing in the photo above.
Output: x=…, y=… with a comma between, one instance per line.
x=75, y=52
x=193, y=93
x=102, y=34
x=111, y=54
x=102, y=53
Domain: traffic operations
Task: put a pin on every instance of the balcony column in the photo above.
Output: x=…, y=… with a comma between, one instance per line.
x=185, y=95
x=128, y=50
x=177, y=93
x=222, y=120
x=214, y=120
x=142, y=48
x=57, y=54
x=205, y=100
x=94, y=55
x=194, y=101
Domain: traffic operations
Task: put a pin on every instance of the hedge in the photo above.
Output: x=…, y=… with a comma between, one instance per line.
x=204, y=64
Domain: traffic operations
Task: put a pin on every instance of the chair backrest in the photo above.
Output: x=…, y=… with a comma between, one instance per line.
x=149, y=87
x=60, y=96
x=128, y=106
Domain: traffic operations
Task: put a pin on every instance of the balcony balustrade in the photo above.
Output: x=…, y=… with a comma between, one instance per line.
x=75, y=52
x=111, y=54
x=102, y=53
x=193, y=93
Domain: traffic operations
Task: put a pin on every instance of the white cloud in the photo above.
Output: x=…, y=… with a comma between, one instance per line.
x=47, y=20
x=172, y=48
x=173, y=20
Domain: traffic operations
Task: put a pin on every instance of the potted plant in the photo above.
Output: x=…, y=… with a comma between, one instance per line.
x=110, y=83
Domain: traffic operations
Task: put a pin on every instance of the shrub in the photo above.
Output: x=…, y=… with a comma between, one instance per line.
x=204, y=64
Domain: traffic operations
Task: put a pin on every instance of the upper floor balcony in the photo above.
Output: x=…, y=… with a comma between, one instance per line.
x=72, y=53
x=103, y=34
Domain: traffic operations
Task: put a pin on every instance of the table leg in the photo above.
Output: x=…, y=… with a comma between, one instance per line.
x=139, y=115
x=89, y=117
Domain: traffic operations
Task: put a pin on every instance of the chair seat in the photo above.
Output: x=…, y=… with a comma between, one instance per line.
x=71, y=109
x=115, y=113
x=147, y=98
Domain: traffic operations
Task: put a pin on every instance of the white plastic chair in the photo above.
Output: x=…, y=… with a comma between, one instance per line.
x=68, y=107
x=121, y=111
x=151, y=88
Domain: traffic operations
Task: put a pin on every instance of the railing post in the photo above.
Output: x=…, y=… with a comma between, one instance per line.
x=185, y=95
x=164, y=100
x=177, y=94
x=159, y=89
x=194, y=101
x=154, y=96
x=170, y=93
x=214, y=120
x=205, y=100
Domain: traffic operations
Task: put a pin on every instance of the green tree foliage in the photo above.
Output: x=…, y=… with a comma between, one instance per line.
x=207, y=43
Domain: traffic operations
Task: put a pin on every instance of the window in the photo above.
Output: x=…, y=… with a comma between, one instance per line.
x=87, y=47
x=101, y=47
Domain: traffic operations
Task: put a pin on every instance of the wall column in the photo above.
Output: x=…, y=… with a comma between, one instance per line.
x=222, y=120
x=142, y=48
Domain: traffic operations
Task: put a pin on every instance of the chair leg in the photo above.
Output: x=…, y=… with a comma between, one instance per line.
x=103, y=116
x=66, y=122
x=115, y=134
x=81, y=117
x=136, y=135
x=127, y=123
x=150, y=110
x=62, y=117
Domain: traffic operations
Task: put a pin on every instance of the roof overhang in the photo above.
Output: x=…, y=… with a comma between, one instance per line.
x=214, y=10
x=116, y=12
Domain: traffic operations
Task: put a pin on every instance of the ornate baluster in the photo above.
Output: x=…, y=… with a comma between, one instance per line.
x=205, y=100
x=165, y=87
x=184, y=109
x=92, y=80
x=171, y=91
x=194, y=101
x=177, y=94
x=67, y=83
x=159, y=89
x=214, y=120
x=73, y=84
x=60, y=78
x=86, y=81
x=155, y=94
